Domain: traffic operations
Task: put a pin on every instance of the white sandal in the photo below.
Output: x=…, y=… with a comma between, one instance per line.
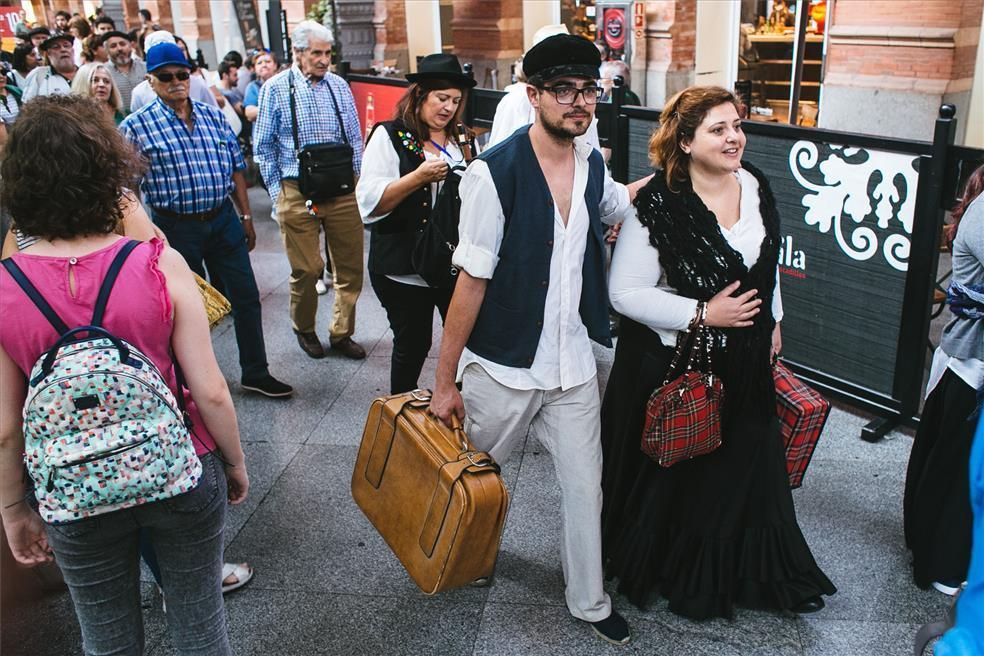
x=243, y=573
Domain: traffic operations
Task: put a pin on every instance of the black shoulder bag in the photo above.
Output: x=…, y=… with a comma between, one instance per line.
x=324, y=169
x=437, y=237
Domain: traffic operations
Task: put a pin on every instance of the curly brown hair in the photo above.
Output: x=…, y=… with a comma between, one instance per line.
x=408, y=108
x=678, y=122
x=65, y=168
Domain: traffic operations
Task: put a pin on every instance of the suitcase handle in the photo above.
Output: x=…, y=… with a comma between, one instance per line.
x=459, y=431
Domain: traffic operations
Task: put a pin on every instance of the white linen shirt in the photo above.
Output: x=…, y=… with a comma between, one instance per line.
x=380, y=167
x=637, y=283
x=514, y=111
x=564, y=358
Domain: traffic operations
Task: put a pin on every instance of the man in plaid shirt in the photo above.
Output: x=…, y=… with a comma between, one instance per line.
x=318, y=93
x=194, y=165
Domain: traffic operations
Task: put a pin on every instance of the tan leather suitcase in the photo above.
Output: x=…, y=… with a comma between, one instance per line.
x=439, y=505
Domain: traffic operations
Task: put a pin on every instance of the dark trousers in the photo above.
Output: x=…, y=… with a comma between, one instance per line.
x=220, y=245
x=410, y=310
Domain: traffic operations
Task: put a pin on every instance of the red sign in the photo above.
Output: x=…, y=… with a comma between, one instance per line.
x=375, y=103
x=613, y=22
x=8, y=18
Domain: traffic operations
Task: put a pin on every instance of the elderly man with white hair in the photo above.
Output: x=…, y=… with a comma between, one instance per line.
x=143, y=94
x=306, y=109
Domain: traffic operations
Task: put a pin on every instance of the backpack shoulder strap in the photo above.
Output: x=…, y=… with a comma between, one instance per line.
x=107, y=284
x=35, y=296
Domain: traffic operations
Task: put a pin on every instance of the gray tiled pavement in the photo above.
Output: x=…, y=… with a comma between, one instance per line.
x=327, y=584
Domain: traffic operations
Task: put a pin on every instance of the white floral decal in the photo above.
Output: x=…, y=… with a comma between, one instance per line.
x=847, y=175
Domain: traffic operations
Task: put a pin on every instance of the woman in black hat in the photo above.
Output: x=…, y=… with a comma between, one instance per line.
x=403, y=168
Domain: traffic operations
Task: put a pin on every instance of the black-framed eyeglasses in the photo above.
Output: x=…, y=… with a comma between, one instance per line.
x=566, y=94
x=168, y=77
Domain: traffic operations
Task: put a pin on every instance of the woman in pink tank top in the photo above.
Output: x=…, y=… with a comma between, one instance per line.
x=69, y=198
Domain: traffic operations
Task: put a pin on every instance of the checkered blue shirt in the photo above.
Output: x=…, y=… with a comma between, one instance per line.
x=273, y=140
x=190, y=171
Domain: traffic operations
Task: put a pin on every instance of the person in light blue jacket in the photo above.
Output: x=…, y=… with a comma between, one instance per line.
x=966, y=638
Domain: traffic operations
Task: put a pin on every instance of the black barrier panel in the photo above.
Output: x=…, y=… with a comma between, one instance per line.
x=847, y=217
x=481, y=107
x=961, y=162
x=639, y=133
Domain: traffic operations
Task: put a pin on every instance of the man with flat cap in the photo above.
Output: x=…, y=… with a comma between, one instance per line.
x=38, y=35
x=127, y=72
x=530, y=295
x=56, y=77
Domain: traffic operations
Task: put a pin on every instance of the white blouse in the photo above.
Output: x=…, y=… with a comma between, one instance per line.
x=380, y=167
x=637, y=284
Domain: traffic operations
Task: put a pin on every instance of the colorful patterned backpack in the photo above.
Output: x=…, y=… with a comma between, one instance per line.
x=102, y=430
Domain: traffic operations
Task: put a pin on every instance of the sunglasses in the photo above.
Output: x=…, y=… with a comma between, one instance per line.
x=167, y=77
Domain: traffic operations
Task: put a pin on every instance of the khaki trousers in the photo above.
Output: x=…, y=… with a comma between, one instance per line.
x=568, y=424
x=339, y=218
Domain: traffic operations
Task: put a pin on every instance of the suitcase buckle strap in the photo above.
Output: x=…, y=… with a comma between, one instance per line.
x=421, y=394
x=481, y=459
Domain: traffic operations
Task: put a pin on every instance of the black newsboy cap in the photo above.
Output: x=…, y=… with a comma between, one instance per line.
x=562, y=54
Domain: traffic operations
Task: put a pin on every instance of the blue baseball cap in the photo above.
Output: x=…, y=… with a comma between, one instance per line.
x=165, y=54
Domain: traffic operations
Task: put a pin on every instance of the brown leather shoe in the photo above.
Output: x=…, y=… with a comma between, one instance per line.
x=349, y=348
x=311, y=345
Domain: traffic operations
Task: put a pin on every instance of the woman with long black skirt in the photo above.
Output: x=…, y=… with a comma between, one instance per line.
x=936, y=507
x=719, y=530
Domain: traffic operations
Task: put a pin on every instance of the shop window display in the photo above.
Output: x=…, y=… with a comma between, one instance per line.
x=765, y=58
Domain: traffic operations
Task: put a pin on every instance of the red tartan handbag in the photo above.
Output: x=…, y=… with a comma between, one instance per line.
x=683, y=417
x=802, y=415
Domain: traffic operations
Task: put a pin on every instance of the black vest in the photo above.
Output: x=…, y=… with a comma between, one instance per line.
x=391, y=239
x=510, y=320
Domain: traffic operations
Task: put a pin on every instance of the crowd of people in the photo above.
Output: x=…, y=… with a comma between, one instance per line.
x=147, y=174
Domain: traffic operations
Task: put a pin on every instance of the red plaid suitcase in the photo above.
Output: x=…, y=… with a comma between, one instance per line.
x=802, y=415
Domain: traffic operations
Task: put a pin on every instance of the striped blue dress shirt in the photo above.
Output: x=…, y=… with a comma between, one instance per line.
x=190, y=171
x=273, y=140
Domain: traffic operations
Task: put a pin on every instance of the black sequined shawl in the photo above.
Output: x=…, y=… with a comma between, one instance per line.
x=698, y=262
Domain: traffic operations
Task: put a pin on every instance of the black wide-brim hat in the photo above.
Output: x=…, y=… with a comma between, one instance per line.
x=560, y=55
x=441, y=66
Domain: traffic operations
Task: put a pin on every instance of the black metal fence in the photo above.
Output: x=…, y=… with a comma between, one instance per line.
x=861, y=220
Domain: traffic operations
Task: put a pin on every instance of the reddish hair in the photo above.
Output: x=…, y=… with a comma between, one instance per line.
x=681, y=116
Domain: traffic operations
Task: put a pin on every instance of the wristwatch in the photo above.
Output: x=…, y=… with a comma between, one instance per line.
x=246, y=217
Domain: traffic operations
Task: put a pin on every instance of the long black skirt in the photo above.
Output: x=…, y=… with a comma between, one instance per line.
x=707, y=534
x=936, y=508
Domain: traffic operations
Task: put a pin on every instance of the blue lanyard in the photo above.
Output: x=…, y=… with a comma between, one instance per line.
x=446, y=153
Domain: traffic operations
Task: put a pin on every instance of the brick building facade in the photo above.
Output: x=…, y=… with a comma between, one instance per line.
x=900, y=60
x=897, y=59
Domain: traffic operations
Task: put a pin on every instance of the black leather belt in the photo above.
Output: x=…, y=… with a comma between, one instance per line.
x=199, y=216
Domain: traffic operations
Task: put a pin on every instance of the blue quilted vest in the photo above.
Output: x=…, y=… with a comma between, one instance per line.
x=511, y=317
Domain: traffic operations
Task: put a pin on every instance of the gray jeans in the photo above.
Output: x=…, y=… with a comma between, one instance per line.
x=100, y=560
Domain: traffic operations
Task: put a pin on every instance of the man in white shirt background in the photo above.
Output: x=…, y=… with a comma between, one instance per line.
x=514, y=110
x=56, y=77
